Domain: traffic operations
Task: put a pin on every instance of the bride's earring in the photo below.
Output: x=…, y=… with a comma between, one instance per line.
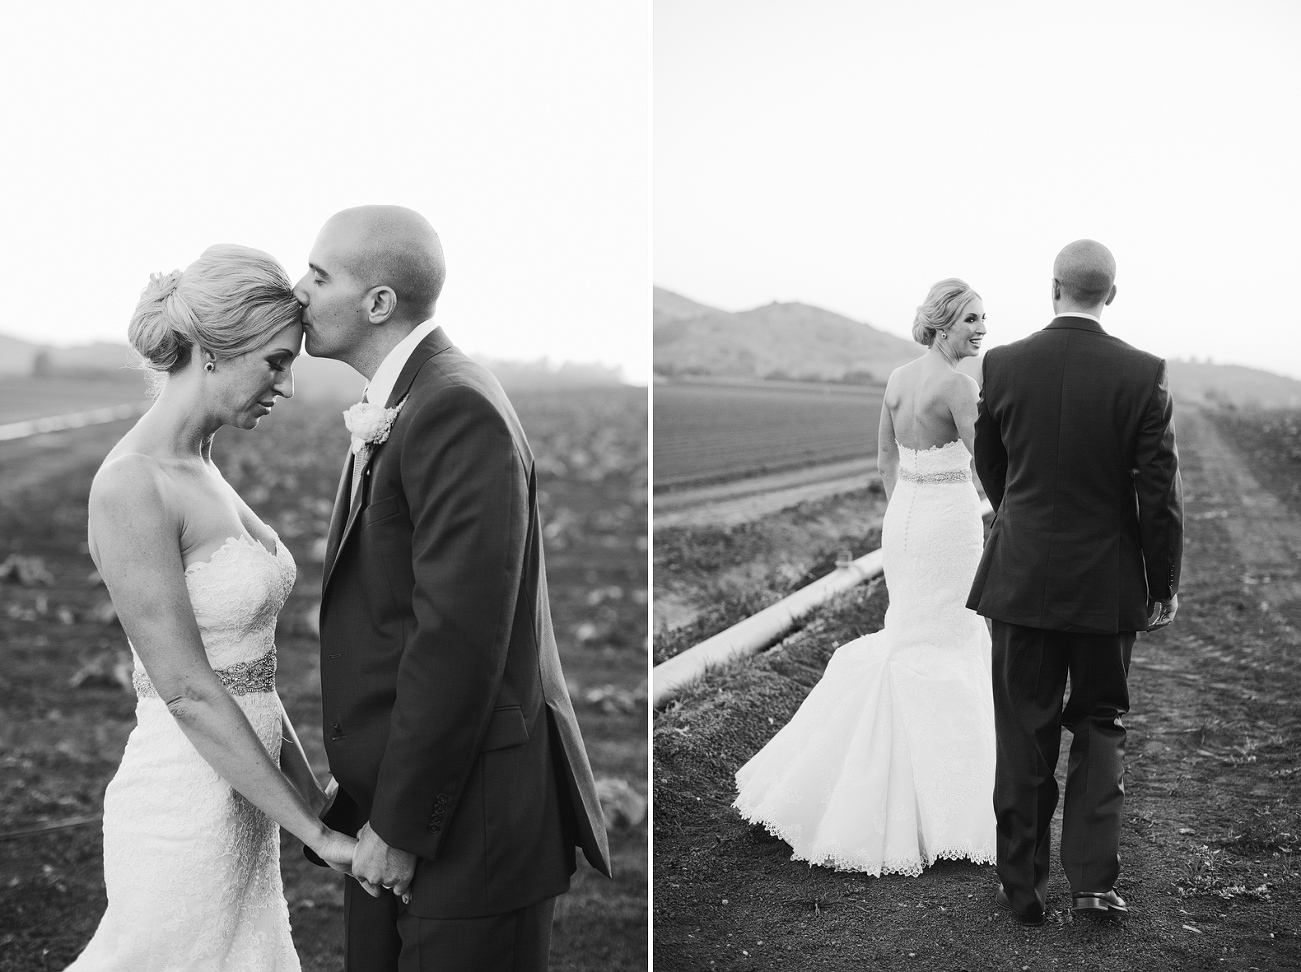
x=209, y=366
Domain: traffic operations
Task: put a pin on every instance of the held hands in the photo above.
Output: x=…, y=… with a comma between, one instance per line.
x=338, y=850
x=377, y=866
x=1166, y=614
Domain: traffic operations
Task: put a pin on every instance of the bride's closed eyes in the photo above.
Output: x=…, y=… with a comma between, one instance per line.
x=281, y=360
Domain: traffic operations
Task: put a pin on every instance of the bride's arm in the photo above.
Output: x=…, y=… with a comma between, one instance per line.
x=887, y=452
x=963, y=397
x=963, y=394
x=134, y=535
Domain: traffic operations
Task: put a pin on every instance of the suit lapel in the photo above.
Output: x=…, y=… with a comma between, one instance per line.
x=436, y=343
x=338, y=518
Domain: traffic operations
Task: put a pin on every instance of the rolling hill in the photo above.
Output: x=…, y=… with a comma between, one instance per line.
x=16, y=356
x=775, y=341
x=801, y=341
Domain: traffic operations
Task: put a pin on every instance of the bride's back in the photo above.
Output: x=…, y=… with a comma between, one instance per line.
x=919, y=397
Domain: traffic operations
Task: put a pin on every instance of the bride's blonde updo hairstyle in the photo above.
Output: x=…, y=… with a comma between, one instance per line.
x=940, y=310
x=228, y=302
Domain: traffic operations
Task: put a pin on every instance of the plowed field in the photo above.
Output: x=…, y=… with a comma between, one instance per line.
x=709, y=431
x=60, y=742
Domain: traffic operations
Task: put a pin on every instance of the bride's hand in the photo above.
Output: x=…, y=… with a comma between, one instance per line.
x=336, y=849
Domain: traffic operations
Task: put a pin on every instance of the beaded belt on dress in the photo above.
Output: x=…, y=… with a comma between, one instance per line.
x=242, y=678
x=948, y=476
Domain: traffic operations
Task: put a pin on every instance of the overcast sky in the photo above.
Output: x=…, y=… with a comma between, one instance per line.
x=850, y=154
x=136, y=134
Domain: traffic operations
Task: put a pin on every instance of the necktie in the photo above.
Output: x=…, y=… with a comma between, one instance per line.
x=358, y=467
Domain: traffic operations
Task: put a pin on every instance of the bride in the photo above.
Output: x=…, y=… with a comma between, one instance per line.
x=191, y=846
x=889, y=763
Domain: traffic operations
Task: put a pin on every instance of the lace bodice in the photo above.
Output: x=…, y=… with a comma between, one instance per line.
x=947, y=463
x=237, y=594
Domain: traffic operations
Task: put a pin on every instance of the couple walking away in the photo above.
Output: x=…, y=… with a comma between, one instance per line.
x=459, y=785
x=937, y=737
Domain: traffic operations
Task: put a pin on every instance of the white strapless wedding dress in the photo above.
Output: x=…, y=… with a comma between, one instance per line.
x=889, y=763
x=192, y=869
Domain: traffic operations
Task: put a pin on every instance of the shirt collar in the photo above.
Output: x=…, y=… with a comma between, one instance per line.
x=386, y=375
x=1087, y=317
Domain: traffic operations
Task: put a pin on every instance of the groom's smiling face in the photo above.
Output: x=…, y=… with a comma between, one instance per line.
x=333, y=299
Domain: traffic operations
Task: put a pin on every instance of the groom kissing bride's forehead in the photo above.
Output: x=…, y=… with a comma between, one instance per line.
x=449, y=730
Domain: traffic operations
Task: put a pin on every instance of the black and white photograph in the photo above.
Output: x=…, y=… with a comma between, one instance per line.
x=324, y=487
x=976, y=486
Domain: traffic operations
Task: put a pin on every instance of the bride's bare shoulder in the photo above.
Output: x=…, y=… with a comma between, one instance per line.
x=904, y=378
x=963, y=384
x=127, y=467
x=130, y=484
x=957, y=391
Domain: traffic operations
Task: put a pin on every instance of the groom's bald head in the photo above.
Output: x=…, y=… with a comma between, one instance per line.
x=1085, y=274
x=395, y=247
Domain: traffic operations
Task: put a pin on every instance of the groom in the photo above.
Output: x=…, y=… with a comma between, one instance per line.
x=1076, y=451
x=448, y=726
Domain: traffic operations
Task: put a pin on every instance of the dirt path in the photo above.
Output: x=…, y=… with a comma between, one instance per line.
x=1212, y=811
x=746, y=500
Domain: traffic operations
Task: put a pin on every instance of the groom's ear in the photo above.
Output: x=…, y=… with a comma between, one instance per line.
x=1110, y=297
x=1057, y=289
x=381, y=303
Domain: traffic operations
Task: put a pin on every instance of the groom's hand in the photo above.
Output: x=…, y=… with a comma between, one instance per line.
x=377, y=866
x=1166, y=613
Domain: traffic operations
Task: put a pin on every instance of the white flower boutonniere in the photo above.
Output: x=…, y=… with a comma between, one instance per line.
x=370, y=424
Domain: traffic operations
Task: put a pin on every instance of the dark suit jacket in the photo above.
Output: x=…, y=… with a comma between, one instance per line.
x=1075, y=447
x=447, y=721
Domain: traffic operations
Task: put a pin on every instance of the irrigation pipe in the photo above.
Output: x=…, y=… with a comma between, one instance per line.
x=76, y=420
x=760, y=630
x=46, y=828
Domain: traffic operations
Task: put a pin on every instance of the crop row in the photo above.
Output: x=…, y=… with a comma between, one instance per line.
x=707, y=433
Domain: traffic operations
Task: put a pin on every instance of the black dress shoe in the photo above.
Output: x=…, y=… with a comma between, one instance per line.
x=1098, y=904
x=1035, y=918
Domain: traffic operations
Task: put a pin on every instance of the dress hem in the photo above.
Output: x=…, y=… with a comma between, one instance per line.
x=909, y=867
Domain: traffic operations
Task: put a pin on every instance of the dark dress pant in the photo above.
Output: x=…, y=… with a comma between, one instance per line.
x=381, y=935
x=1030, y=669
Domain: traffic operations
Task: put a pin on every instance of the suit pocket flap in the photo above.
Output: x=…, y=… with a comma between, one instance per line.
x=381, y=509
x=506, y=728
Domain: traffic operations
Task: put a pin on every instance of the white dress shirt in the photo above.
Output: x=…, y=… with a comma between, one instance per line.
x=386, y=375
x=1087, y=317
